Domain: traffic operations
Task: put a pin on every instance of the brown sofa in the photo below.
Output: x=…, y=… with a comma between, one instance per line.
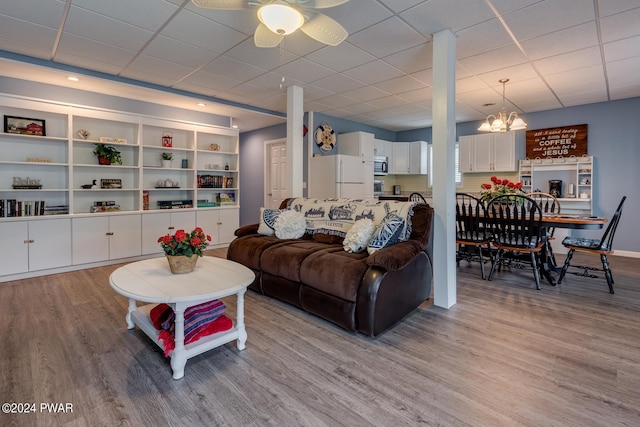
x=357, y=291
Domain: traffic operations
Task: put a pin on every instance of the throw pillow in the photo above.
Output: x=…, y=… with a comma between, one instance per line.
x=267, y=221
x=290, y=225
x=387, y=233
x=359, y=235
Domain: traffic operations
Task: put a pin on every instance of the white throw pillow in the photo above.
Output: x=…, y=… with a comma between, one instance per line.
x=359, y=235
x=290, y=224
x=267, y=220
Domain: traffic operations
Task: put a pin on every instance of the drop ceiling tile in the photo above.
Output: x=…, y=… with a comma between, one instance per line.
x=274, y=81
x=19, y=47
x=203, y=33
x=209, y=80
x=365, y=93
x=245, y=20
x=313, y=93
x=359, y=108
x=400, y=85
x=548, y=16
x=360, y=13
x=561, y=42
x=374, y=72
x=161, y=80
x=516, y=73
x=341, y=57
x=619, y=74
x=496, y=59
x=611, y=7
x=81, y=61
x=620, y=26
x=159, y=67
x=255, y=92
x=412, y=60
x=549, y=103
x=383, y=38
x=195, y=88
x=226, y=66
x=338, y=101
x=622, y=92
x=338, y=83
x=92, y=51
x=27, y=34
x=168, y=49
x=267, y=59
x=622, y=49
x=483, y=37
x=47, y=14
x=94, y=26
x=147, y=14
x=425, y=76
x=433, y=16
x=388, y=101
x=303, y=70
x=565, y=84
x=418, y=95
x=581, y=98
x=570, y=61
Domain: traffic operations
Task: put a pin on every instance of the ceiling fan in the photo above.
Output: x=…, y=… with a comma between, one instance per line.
x=281, y=17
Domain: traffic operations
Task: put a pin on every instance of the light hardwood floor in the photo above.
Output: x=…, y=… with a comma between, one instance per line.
x=504, y=355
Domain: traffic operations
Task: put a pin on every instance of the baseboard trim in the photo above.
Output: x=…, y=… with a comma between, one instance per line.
x=627, y=254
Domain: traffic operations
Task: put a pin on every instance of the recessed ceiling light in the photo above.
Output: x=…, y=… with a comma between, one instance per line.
x=73, y=78
x=201, y=104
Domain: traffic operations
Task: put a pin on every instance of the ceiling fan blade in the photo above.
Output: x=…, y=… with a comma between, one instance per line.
x=221, y=4
x=320, y=4
x=264, y=37
x=325, y=30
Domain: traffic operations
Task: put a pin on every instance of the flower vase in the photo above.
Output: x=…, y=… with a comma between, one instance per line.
x=166, y=163
x=180, y=264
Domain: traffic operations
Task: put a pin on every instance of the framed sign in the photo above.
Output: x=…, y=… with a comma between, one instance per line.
x=24, y=126
x=563, y=141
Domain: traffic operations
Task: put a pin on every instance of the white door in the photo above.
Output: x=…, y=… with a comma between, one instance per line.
x=126, y=237
x=51, y=244
x=276, y=173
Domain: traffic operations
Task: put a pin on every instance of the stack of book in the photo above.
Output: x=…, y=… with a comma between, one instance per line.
x=175, y=204
x=13, y=207
x=226, y=199
x=105, y=206
x=56, y=209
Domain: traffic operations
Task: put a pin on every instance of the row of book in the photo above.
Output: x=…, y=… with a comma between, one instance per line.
x=214, y=181
x=175, y=204
x=13, y=208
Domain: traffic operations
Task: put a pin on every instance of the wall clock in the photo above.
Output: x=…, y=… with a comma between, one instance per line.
x=325, y=137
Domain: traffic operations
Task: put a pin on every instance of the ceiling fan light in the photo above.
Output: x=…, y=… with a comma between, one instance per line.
x=280, y=18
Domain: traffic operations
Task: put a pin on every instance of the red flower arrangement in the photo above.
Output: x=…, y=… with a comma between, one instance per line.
x=187, y=244
x=498, y=187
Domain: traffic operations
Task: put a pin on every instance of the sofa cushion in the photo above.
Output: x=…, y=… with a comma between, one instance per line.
x=358, y=236
x=247, y=250
x=267, y=221
x=290, y=225
x=387, y=233
x=285, y=259
x=334, y=272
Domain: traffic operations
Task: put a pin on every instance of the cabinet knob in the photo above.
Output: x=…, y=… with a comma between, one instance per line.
x=219, y=223
x=171, y=228
x=109, y=233
x=29, y=241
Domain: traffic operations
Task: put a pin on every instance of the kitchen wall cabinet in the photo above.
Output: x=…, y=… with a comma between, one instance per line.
x=356, y=144
x=382, y=148
x=410, y=158
x=34, y=245
x=491, y=152
x=575, y=173
x=203, y=177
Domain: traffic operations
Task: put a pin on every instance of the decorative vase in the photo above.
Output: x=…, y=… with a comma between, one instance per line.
x=180, y=264
x=103, y=160
x=166, y=163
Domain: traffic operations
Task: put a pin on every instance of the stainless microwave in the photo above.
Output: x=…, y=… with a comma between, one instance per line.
x=380, y=165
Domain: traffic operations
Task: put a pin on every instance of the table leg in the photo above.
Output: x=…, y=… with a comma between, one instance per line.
x=132, y=308
x=242, y=332
x=178, y=356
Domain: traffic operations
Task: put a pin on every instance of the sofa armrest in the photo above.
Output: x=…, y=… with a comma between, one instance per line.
x=245, y=230
x=395, y=257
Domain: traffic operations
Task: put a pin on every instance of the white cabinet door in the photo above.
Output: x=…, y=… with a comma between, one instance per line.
x=90, y=239
x=50, y=244
x=125, y=236
x=359, y=144
x=400, y=163
x=220, y=224
x=483, y=153
x=14, y=251
x=382, y=148
x=159, y=224
x=418, y=159
x=465, y=151
x=504, y=152
x=489, y=152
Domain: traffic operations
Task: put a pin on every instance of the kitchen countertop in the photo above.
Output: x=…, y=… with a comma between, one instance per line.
x=403, y=196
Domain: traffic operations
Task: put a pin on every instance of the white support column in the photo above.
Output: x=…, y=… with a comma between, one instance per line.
x=295, y=153
x=444, y=183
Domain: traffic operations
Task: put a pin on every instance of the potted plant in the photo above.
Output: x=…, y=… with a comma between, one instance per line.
x=107, y=154
x=183, y=249
x=166, y=159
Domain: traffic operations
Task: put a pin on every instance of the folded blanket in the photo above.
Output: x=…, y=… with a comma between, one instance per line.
x=199, y=321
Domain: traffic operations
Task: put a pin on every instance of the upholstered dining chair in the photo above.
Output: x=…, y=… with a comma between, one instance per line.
x=472, y=235
x=602, y=247
x=417, y=197
x=516, y=222
x=549, y=205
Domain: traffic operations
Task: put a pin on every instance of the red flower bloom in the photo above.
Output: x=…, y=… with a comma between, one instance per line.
x=187, y=244
x=180, y=236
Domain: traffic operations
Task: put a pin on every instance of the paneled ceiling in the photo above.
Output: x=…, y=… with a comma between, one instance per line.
x=557, y=53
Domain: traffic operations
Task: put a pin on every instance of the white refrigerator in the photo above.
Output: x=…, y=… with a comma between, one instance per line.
x=338, y=176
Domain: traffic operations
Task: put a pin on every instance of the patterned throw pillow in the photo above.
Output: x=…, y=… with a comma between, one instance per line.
x=267, y=221
x=387, y=233
x=359, y=235
x=290, y=225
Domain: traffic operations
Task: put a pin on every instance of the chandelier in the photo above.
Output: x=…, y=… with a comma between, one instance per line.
x=503, y=122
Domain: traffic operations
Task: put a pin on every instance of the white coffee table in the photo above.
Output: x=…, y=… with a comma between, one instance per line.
x=152, y=281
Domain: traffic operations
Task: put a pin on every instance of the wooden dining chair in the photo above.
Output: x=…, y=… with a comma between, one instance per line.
x=550, y=205
x=417, y=197
x=602, y=247
x=516, y=223
x=472, y=236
